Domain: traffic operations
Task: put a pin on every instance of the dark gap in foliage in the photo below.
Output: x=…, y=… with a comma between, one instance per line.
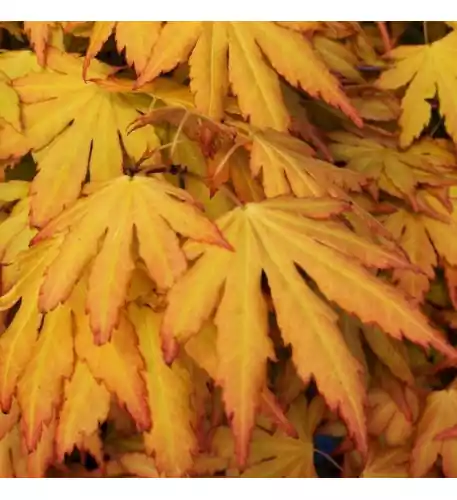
x=25, y=170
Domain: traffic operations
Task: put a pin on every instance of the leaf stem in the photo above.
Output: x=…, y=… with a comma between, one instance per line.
x=384, y=32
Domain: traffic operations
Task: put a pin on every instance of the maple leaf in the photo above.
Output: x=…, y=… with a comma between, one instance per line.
x=39, y=33
x=118, y=364
x=16, y=461
x=17, y=63
x=279, y=455
x=6, y=466
x=85, y=406
x=15, y=233
x=9, y=420
x=36, y=463
x=136, y=37
x=334, y=258
x=242, y=46
x=440, y=414
x=387, y=462
x=134, y=464
x=399, y=173
x=202, y=349
x=171, y=439
x=148, y=205
x=429, y=71
x=10, y=111
x=17, y=342
x=390, y=351
x=40, y=386
x=338, y=57
x=288, y=166
x=84, y=127
x=426, y=238
x=375, y=105
x=385, y=418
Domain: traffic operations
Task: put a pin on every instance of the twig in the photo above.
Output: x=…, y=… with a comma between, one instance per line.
x=385, y=36
x=426, y=39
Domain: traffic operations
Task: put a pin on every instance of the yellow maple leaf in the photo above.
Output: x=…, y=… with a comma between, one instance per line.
x=17, y=342
x=274, y=235
x=136, y=464
x=202, y=349
x=410, y=230
x=233, y=52
x=10, y=110
x=427, y=239
x=289, y=166
x=6, y=465
x=399, y=173
x=14, y=64
x=171, y=439
x=373, y=104
x=10, y=419
x=18, y=63
x=16, y=461
x=39, y=33
x=279, y=455
x=392, y=352
x=338, y=57
x=84, y=127
x=40, y=386
x=440, y=414
x=386, y=462
x=118, y=363
x=385, y=418
x=38, y=461
x=136, y=37
x=85, y=406
x=15, y=233
x=429, y=71
x=154, y=209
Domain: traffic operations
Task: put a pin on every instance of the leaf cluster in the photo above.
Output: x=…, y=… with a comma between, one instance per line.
x=218, y=261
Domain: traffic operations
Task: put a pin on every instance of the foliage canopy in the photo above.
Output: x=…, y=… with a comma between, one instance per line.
x=228, y=249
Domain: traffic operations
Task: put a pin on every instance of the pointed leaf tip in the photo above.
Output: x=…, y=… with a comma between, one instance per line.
x=170, y=349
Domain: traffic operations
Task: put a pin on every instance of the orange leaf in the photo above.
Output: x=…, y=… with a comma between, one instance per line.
x=386, y=419
x=39, y=460
x=202, y=349
x=16, y=347
x=83, y=130
x=388, y=462
x=100, y=33
x=278, y=455
x=171, y=439
x=9, y=420
x=150, y=206
x=439, y=415
x=288, y=166
x=426, y=68
x=249, y=44
x=241, y=368
x=40, y=388
x=118, y=364
x=287, y=233
x=39, y=34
